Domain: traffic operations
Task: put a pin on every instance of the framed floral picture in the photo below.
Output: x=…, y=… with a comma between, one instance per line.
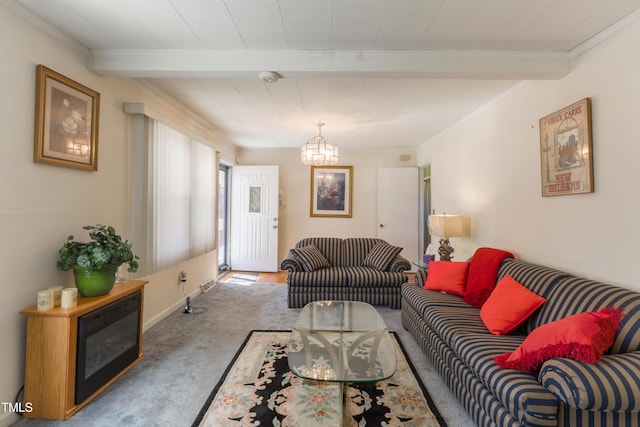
x=331, y=191
x=566, y=154
x=66, y=122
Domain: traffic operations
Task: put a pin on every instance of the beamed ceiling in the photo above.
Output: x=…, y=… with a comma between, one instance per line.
x=379, y=73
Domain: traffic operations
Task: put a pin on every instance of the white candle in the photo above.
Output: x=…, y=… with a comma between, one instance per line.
x=57, y=295
x=45, y=300
x=69, y=297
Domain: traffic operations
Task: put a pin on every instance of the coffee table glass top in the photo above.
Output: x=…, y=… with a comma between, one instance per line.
x=342, y=341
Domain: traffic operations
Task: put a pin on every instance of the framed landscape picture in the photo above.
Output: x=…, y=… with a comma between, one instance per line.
x=66, y=122
x=331, y=191
x=566, y=156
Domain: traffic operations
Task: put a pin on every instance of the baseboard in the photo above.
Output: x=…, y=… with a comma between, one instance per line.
x=167, y=311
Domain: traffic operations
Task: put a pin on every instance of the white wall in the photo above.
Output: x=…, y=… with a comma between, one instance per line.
x=295, y=183
x=487, y=167
x=40, y=205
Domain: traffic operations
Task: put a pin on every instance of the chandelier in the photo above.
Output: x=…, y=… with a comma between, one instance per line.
x=318, y=152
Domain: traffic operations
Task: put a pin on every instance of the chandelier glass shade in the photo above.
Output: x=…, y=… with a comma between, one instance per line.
x=318, y=152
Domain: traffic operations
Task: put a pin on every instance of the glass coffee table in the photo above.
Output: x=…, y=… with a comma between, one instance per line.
x=341, y=341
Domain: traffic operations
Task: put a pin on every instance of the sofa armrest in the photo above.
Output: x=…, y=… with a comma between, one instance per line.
x=399, y=265
x=421, y=277
x=291, y=264
x=608, y=385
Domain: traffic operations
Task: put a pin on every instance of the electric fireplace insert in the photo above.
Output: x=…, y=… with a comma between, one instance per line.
x=108, y=342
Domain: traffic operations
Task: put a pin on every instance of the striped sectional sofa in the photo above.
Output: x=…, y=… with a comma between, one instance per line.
x=565, y=392
x=345, y=277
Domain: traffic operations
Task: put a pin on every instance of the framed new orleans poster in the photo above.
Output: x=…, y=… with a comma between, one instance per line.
x=331, y=191
x=66, y=121
x=566, y=155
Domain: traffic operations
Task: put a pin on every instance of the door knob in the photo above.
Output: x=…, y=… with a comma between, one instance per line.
x=381, y=225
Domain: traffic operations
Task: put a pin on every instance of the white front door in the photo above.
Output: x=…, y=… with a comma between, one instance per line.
x=254, y=218
x=398, y=219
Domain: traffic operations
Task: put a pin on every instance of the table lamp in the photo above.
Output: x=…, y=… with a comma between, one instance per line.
x=445, y=226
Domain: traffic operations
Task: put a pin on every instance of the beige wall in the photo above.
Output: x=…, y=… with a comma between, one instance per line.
x=487, y=167
x=295, y=184
x=40, y=205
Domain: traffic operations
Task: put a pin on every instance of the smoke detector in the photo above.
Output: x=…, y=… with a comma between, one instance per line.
x=269, y=76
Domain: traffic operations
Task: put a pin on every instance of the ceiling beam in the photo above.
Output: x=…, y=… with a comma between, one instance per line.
x=313, y=63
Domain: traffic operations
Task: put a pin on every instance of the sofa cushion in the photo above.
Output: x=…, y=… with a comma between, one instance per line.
x=355, y=250
x=330, y=247
x=381, y=255
x=539, y=279
x=447, y=276
x=421, y=299
x=508, y=306
x=327, y=277
x=521, y=393
x=483, y=272
x=583, y=336
x=450, y=322
x=367, y=277
x=576, y=295
x=474, y=395
x=310, y=257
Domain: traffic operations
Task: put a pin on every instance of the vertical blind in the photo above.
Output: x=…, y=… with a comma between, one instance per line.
x=184, y=182
x=204, y=198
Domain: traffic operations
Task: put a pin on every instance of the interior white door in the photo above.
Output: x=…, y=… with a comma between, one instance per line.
x=398, y=211
x=254, y=218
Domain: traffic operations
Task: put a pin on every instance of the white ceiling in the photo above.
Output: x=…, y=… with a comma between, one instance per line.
x=379, y=73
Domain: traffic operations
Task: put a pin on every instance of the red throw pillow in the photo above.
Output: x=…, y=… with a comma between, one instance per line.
x=447, y=276
x=584, y=337
x=508, y=306
x=483, y=272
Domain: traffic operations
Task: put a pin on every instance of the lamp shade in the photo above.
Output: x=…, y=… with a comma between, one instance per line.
x=445, y=226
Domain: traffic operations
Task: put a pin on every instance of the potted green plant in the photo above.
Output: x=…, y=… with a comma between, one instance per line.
x=95, y=263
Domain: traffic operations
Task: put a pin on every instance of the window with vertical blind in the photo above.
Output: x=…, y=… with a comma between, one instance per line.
x=204, y=187
x=183, y=175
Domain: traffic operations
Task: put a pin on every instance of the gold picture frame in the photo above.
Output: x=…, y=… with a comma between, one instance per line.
x=566, y=151
x=66, y=122
x=331, y=191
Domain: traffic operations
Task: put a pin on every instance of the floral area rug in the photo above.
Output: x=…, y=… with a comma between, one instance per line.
x=257, y=389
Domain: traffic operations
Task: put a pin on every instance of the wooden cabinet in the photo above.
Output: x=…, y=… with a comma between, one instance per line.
x=50, y=368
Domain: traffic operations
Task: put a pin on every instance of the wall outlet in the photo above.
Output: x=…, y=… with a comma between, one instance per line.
x=182, y=277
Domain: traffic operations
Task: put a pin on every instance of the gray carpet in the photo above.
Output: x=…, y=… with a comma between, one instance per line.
x=186, y=354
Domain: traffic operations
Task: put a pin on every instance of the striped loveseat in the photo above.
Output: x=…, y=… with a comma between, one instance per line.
x=347, y=274
x=564, y=392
